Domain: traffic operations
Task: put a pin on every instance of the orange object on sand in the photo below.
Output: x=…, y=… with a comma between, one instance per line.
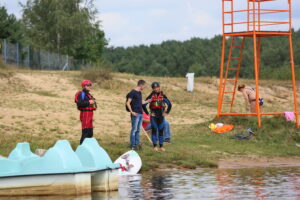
x=223, y=129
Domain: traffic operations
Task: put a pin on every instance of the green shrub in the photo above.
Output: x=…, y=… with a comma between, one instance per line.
x=281, y=73
x=101, y=71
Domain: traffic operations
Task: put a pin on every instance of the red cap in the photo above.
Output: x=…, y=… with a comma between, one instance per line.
x=86, y=82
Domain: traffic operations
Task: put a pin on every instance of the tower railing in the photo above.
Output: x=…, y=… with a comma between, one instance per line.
x=253, y=19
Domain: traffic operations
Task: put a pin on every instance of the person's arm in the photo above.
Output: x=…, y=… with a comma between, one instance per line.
x=246, y=99
x=169, y=104
x=146, y=101
x=146, y=120
x=129, y=100
x=145, y=105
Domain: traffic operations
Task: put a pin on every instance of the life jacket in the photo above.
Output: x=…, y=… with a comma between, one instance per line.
x=85, y=97
x=157, y=102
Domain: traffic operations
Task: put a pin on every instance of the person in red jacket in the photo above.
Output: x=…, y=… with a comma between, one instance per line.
x=86, y=103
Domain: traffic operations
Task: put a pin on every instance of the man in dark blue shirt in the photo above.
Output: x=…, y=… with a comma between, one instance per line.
x=134, y=105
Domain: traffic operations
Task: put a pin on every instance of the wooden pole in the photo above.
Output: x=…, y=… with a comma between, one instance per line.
x=145, y=133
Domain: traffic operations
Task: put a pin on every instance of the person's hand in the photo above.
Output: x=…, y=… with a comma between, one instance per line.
x=149, y=100
x=165, y=114
x=152, y=114
x=134, y=114
x=91, y=101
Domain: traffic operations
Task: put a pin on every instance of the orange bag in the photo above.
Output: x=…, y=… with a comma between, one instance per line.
x=223, y=129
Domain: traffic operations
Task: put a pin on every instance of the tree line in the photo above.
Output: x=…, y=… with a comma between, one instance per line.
x=70, y=27
x=66, y=27
x=202, y=56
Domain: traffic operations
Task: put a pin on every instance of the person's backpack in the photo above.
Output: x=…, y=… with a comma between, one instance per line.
x=79, y=94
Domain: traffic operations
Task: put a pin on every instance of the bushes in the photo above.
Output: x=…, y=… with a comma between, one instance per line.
x=102, y=75
x=281, y=73
x=99, y=72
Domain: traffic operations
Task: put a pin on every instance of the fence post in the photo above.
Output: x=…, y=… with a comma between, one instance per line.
x=67, y=63
x=28, y=55
x=17, y=54
x=48, y=60
x=5, y=51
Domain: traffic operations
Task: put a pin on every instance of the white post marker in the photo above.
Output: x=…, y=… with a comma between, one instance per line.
x=190, y=82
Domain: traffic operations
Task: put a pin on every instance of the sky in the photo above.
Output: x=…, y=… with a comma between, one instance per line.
x=134, y=22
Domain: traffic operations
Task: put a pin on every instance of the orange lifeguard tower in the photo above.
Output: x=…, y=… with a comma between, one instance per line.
x=251, y=19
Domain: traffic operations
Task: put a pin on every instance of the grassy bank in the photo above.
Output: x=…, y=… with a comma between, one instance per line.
x=196, y=146
x=38, y=107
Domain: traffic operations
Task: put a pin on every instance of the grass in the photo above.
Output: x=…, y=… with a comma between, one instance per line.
x=45, y=93
x=42, y=121
x=98, y=73
x=193, y=145
x=2, y=65
x=196, y=146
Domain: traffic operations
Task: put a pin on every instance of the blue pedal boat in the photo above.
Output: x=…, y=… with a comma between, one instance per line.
x=61, y=171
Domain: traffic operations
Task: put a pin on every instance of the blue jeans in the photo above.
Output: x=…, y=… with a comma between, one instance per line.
x=136, y=123
x=167, y=131
x=157, y=125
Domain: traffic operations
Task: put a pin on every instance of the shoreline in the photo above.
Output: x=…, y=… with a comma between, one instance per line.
x=243, y=163
x=254, y=162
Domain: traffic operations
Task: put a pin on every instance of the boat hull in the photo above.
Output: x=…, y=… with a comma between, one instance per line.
x=104, y=181
x=34, y=185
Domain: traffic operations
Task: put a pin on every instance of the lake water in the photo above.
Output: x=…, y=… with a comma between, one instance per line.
x=258, y=183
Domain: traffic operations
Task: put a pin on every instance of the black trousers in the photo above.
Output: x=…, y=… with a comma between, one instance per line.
x=86, y=133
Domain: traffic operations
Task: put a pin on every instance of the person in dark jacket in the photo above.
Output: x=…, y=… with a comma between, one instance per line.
x=134, y=105
x=86, y=103
x=160, y=107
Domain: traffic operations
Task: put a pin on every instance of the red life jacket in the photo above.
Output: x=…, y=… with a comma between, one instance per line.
x=90, y=107
x=157, y=101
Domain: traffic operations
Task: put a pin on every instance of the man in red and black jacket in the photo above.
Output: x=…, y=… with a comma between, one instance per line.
x=86, y=103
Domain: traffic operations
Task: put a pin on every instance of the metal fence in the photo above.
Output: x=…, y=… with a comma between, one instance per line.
x=33, y=58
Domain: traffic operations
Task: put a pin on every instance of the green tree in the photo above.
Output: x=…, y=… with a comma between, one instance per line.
x=202, y=56
x=10, y=27
x=198, y=69
x=67, y=27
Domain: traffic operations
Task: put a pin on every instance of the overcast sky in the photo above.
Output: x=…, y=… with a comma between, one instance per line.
x=134, y=22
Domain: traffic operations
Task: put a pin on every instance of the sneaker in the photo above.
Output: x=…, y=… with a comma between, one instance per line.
x=132, y=148
x=155, y=148
x=167, y=140
x=162, y=149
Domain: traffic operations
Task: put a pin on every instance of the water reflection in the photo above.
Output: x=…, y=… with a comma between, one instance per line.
x=259, y=183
